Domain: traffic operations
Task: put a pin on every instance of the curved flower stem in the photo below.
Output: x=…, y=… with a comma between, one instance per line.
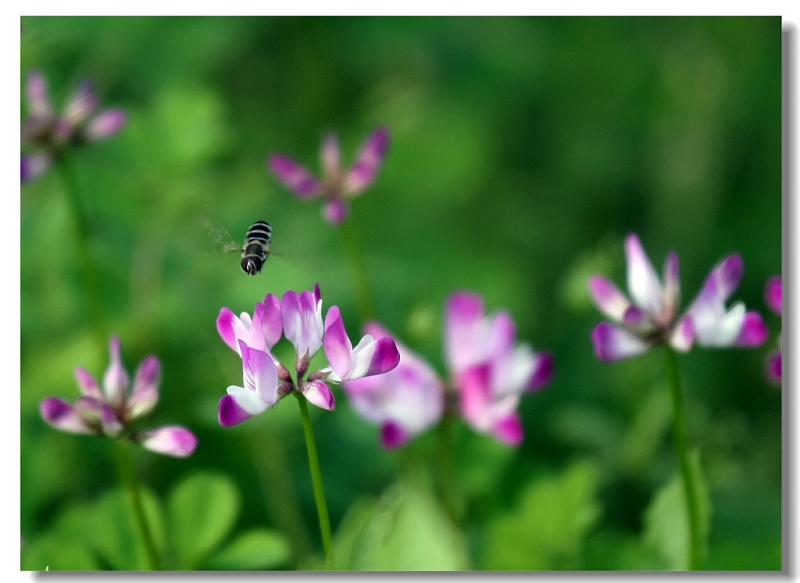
x=682, y=448
x=366, y=302
x=128, y=475
x=91, y=279
x=316, y=480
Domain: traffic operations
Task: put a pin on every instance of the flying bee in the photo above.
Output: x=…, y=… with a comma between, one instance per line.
x=256, y=247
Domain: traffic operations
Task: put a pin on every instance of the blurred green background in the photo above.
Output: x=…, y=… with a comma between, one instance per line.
x=523, y=150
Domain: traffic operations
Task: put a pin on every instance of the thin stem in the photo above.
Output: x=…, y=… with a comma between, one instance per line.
x=446, y=466
x=366, y=302
x=128, y=475
x=91, y=279
x=316, y=480
x=682, y=449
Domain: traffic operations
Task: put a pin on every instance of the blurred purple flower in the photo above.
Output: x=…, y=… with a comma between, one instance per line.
x=109, y=410
x=298, y=317
x=488, y=374
x=773, y=294
x=338, y=185
x=649, y=318
x=44, y=133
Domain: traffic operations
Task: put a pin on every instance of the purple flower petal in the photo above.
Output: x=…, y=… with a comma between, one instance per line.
x=753, y=332
x=302, y=321
x=335, y=211
x=319, y=394
x=34, y=165
x=475, y=395
x=294, y=176
x=106, y=124
x=682, y=336
x=260, y=375
x=82, y=102
x=612, y=343
x=463, y=318
x=230, y=413
x=269, y=316
x=542, y=371
x=509, y=430
x=608, y=299
x=116, y=380
x=636, y=317
x=38, y=95
x=337, y=345
x=393, y=436
x=773, y=367
x=773, y=294
x=643, y=283
x=170, y=440
x=144, y=394
x=63, y=416
x=88, y=385
x=368, y=162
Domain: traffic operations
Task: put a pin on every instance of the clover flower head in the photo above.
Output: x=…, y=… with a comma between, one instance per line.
x=111, y=408
x=45, y=133
x=338, y=185
x=298, y=317
x=773, y=293
x=649, y=317
x=489, y=372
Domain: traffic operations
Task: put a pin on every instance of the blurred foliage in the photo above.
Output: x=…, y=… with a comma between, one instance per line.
x=522, y=152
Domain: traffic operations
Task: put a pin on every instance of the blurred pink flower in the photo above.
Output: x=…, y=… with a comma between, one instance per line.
x=650, y=317
x=489, y=372
x=44, y=133
x=337, y=185
x=109, y=410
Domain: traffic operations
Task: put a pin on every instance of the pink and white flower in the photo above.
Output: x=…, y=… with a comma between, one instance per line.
x=489, y=373
x=337, y=186
x=298, y=317
x=110, y=410
x=649, y=317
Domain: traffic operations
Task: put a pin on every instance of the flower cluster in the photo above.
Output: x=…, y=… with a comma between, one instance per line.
x=298, y=317
x=650, y=317
x=488, y=374
x=773, y=293
x=338, y=185
x=45, y=134
x=110, y=410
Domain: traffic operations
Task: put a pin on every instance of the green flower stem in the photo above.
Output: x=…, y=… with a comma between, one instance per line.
x=132, y=485
x=316, y=480
x=359, y=267
x=446, y=466
x=91, y=279
x=682, y=448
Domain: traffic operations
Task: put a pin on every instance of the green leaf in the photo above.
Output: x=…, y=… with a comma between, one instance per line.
x=115, y=532
x=666, y=519
x=54, y=553
x=545, y=530
x=255, y=549
x=202, y=511
x=405, y=530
